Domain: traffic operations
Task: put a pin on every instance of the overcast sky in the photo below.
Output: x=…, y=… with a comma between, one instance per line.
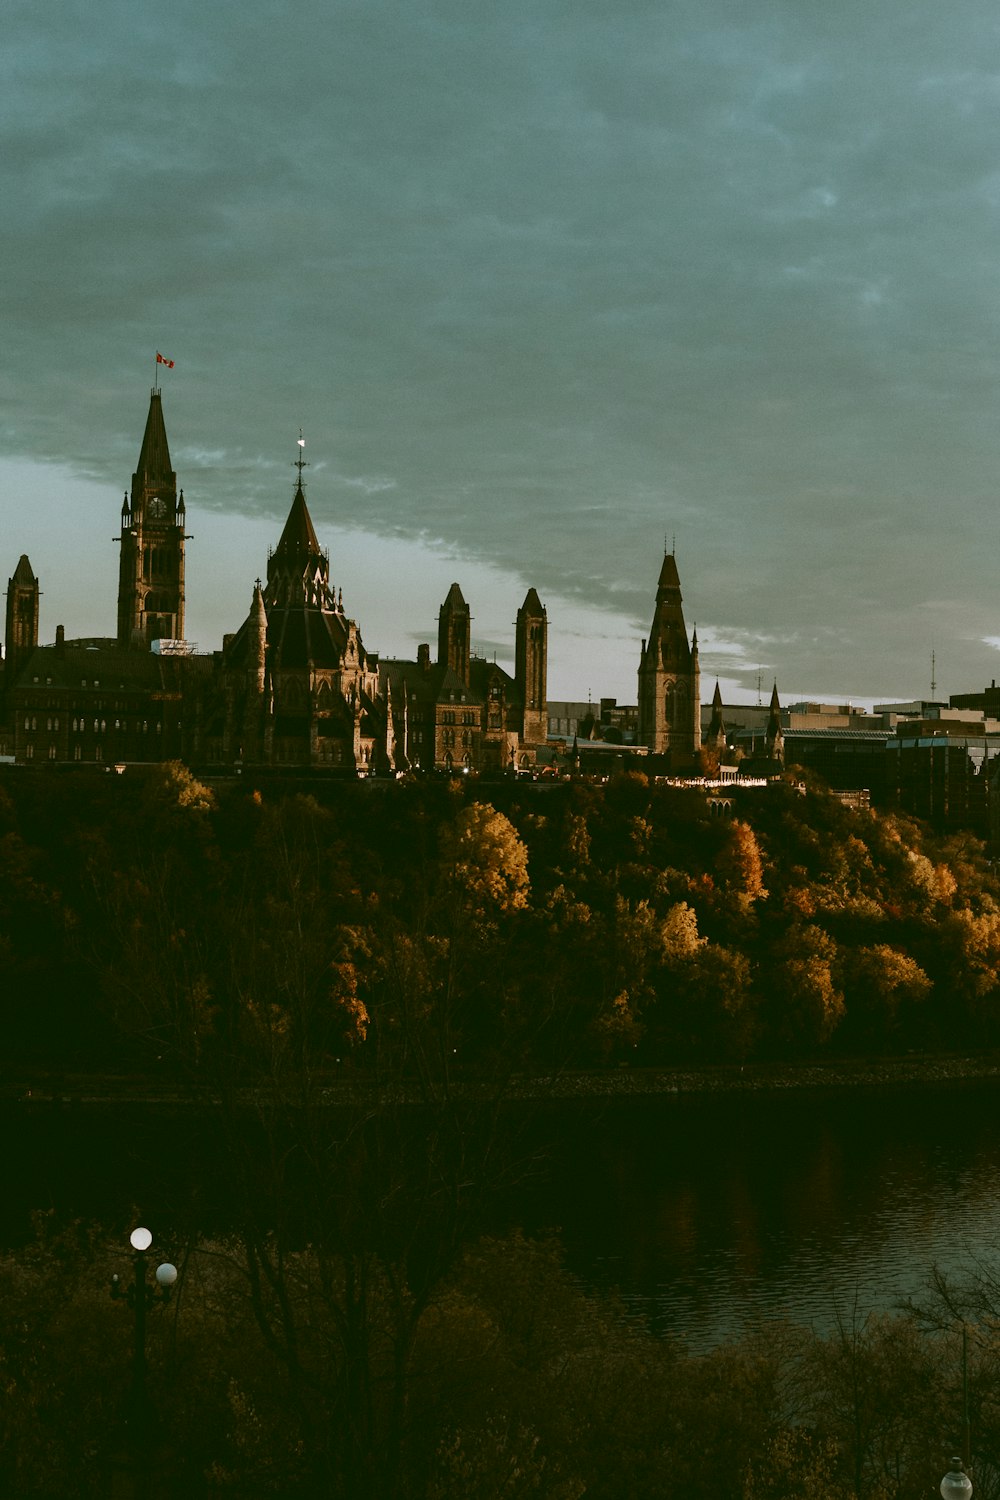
x=544, y=282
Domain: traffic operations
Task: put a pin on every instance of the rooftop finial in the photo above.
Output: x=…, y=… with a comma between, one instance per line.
x=300, y=462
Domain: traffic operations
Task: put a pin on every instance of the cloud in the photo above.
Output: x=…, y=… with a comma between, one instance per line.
x=543, y=282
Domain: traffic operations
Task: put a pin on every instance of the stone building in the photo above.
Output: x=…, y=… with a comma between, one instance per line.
x=293, y=686
x=463, y=712
x=670, y=678
x=151, y=560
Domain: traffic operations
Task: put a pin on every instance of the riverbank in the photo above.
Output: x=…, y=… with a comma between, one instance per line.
x=37, y=1088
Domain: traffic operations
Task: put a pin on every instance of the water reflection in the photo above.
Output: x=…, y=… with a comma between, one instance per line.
x=703, y=1212
x=707, y=1214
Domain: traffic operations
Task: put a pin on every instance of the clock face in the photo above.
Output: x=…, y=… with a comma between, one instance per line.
x=157, y=508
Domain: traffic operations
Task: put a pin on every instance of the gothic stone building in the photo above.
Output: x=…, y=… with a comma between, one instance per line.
x=670, y=679
x=293, y=686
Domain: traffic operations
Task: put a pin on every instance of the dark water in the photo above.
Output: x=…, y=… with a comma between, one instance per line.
x=702, y=1212
x=709, y=1213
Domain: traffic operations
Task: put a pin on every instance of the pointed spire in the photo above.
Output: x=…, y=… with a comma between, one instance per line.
x=669, y=577
x=153, y=471
x=715, y=735
x=774, y=738
x=299, y=538
x=257, y=636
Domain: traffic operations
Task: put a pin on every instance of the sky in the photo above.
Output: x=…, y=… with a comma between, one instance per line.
x=548, y=285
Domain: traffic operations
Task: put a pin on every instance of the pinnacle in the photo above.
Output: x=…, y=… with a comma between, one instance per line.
x=299, y=535
x=153, y=469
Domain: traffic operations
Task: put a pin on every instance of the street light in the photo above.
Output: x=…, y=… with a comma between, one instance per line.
x=139, y=1416
x=956, y=1484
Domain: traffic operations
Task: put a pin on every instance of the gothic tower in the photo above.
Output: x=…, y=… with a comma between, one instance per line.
x=715, y=734
x=21, y=633
x=669, y=676
x=530, y=666
x=151, y=565
x=455, y=634
x=774, y=738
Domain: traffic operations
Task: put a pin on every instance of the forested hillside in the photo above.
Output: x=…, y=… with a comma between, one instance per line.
x=342, y=988
x=152, y=921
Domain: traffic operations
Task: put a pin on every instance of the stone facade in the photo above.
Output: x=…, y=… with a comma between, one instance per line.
x=294, y=686
x=670, y=678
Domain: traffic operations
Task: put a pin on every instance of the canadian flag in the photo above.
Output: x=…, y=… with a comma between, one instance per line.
x=161, y=361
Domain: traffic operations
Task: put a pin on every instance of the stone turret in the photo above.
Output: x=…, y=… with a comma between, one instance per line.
x=774, y=738
x=530, y=667
x=455, y=634
x=715, y=734
x=669, y=676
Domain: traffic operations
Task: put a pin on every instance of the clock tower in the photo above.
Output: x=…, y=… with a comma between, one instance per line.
x=151, y=566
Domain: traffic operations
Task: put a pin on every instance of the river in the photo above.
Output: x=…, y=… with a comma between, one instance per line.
x=711, y=1212
x=702, y=1212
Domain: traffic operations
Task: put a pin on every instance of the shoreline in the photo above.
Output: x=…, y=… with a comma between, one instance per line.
x=81, y=1090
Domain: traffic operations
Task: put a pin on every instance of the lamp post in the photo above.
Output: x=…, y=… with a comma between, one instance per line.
x=956, y=1484
x=139, y=1415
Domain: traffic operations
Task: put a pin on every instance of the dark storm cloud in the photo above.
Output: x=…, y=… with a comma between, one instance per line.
x=546, y=281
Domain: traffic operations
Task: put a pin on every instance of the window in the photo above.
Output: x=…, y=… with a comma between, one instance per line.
x=52, y=752
x=29, y=752
x=77, y=752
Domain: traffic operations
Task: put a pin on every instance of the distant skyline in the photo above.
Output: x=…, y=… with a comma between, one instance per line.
x=545, y=285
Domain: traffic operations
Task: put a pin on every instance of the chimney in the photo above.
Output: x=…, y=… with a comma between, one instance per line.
x=424, y=657
x=60, y=640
